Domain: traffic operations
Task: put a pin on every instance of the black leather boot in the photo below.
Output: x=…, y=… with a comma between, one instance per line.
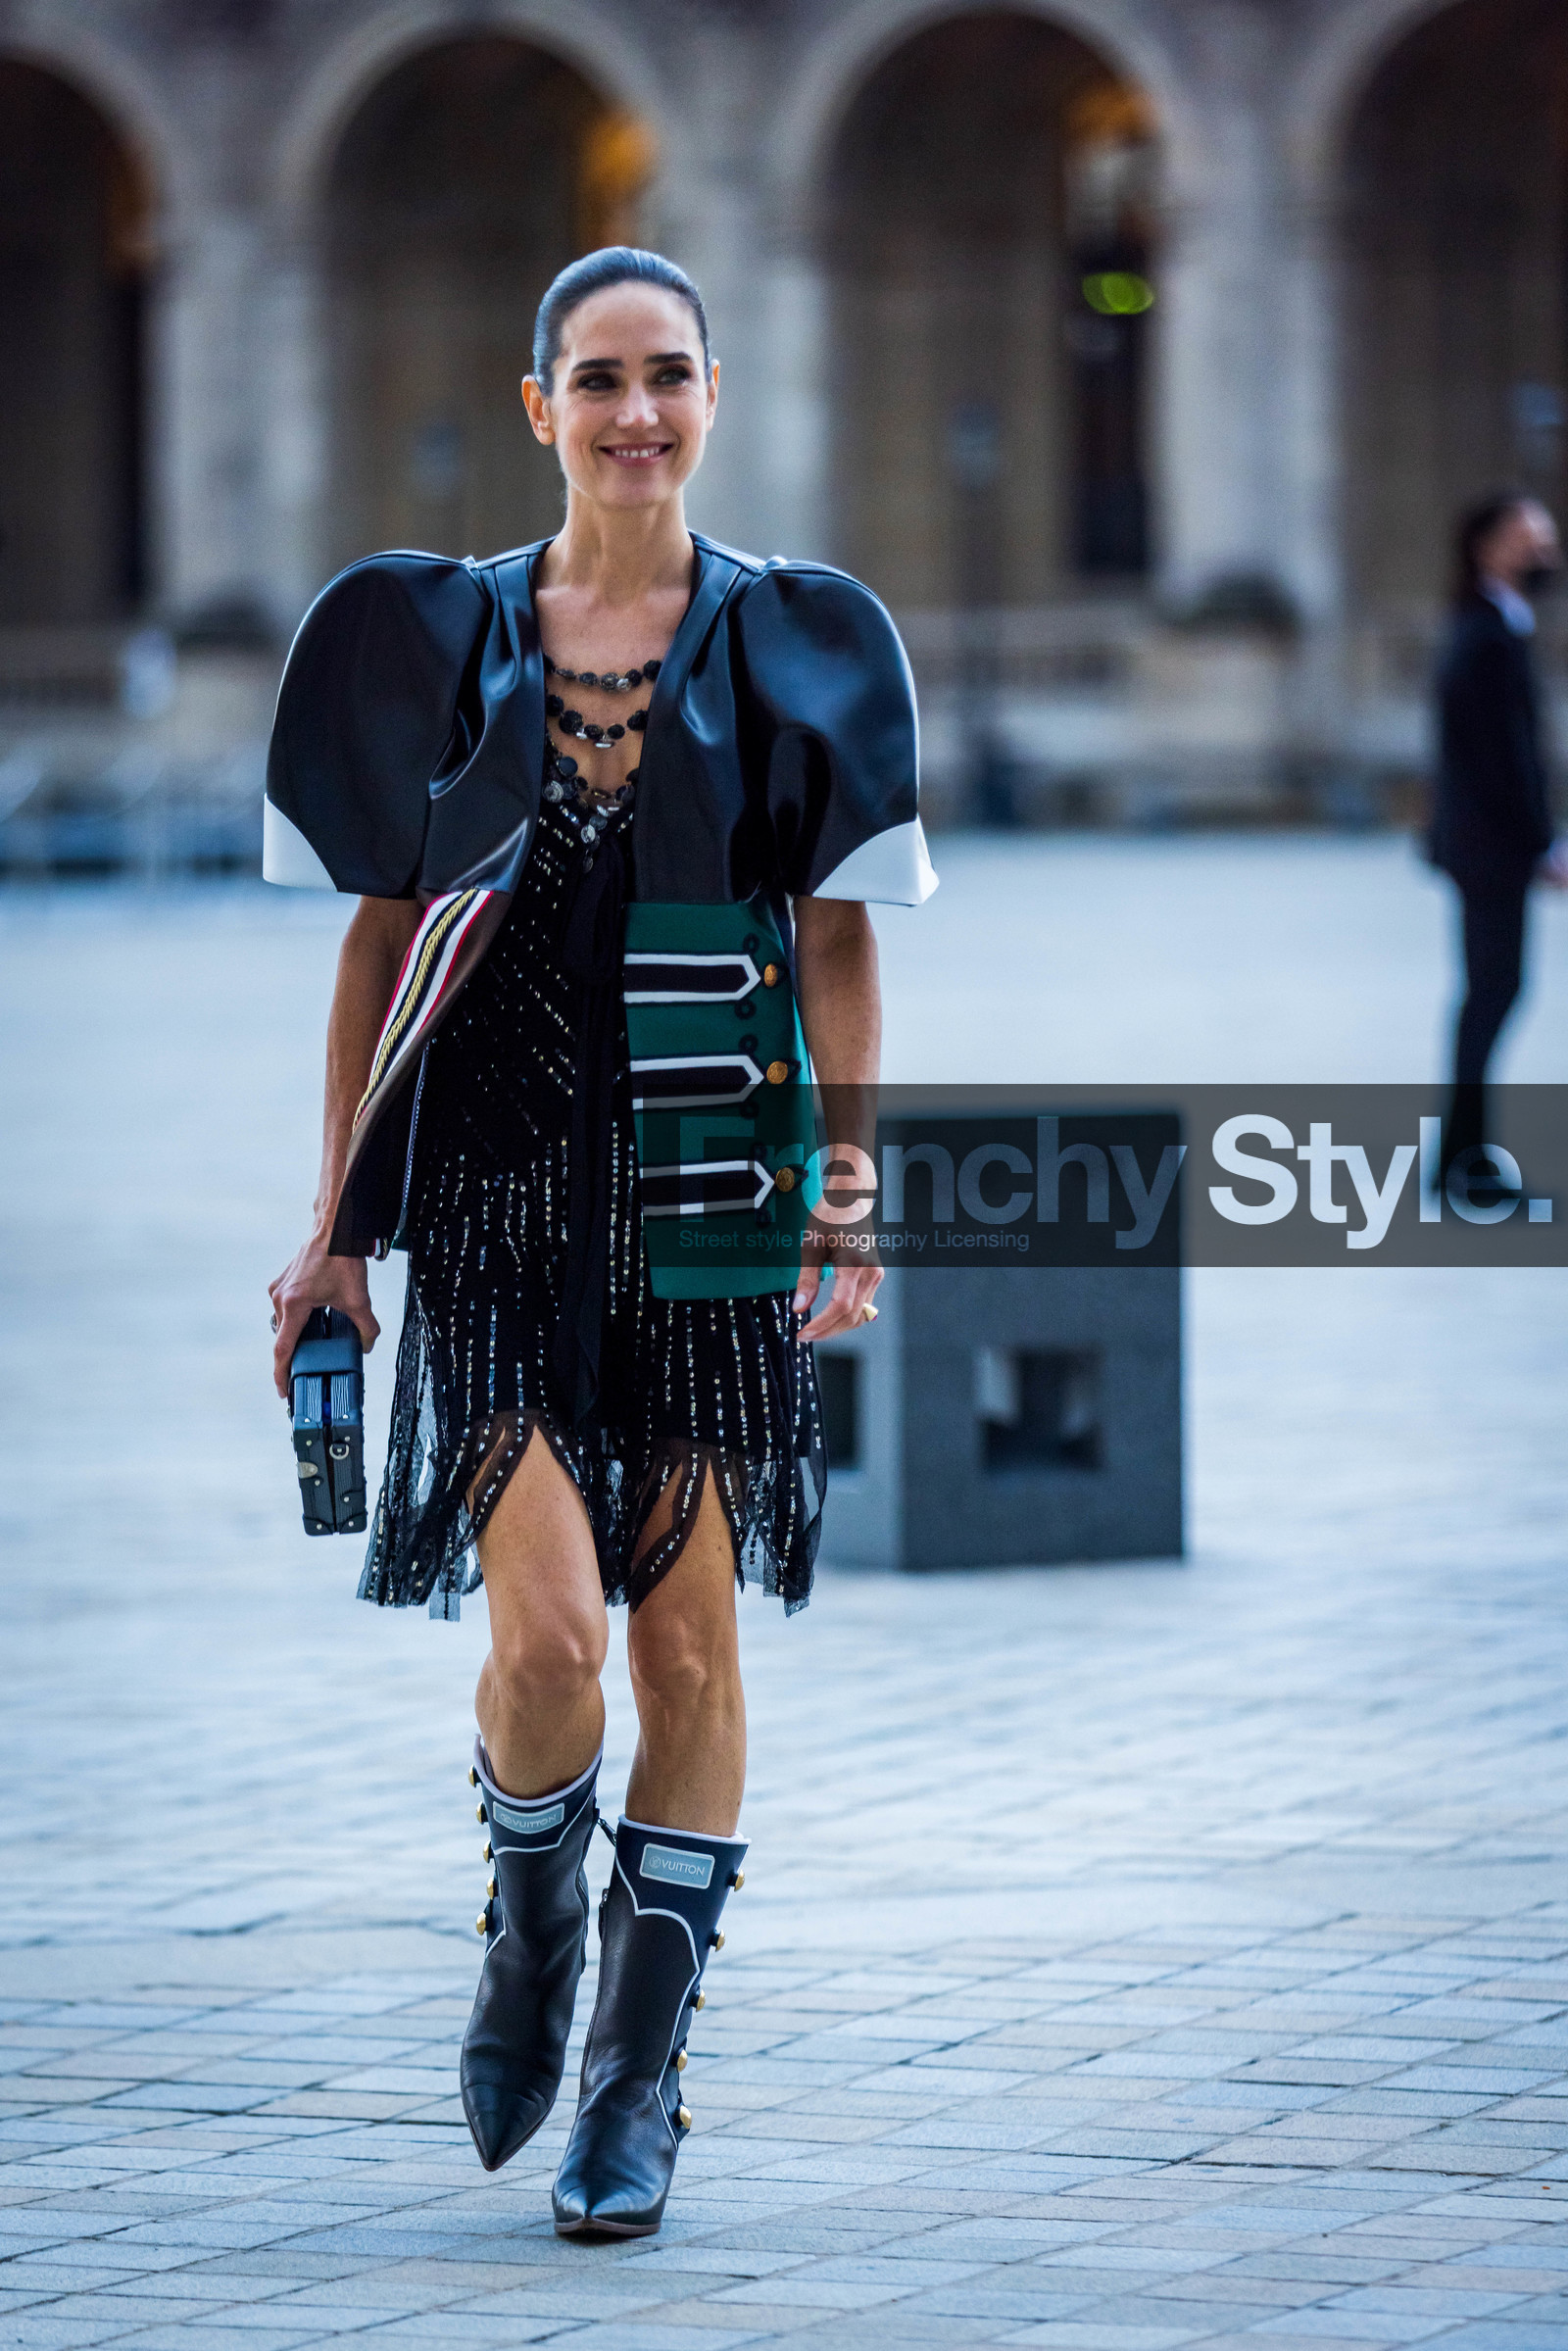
x=657, y=1921
x=535, y=1925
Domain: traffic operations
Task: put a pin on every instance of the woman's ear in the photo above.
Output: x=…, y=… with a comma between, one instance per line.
x=536, y=401
x=713, y=390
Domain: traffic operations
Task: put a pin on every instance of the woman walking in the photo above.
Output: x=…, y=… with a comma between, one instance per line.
x=613, y=804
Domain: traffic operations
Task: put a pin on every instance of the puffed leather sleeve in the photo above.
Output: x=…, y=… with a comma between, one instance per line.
x=366, y=712
x=832, y=695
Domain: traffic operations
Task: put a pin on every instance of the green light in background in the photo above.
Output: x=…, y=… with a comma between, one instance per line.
x=1117, y=293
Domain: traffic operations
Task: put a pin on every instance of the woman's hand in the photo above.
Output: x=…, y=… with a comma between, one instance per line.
x=855, y=1286
x=312, y=1279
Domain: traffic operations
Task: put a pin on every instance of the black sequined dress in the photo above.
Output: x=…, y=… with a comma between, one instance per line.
x=688, y=1391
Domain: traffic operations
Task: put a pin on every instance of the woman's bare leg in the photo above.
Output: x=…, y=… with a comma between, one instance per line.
x=540, y=1709
x=683, y=1647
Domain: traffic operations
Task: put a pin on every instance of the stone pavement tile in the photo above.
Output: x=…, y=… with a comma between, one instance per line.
x=1440, y=2301
x=1085, y=2334
x=239, y=2326
x=1506, y=2334
x=1018, y=2294
x=1356, y=2327
x=36, y=2331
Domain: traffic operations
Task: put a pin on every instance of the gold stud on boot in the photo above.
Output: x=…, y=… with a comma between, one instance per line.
x=479, y=1812
x=683, y=2115
x=701, y=2000
x=680, y=2061
x=718, y=1939
x=494, y=1887
x=481, y=1924
x=488, y=1853
x=474, y=1777
x=738, y=1880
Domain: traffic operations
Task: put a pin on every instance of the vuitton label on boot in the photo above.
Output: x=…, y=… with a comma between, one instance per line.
x=676, y=1867
x=528, y=1824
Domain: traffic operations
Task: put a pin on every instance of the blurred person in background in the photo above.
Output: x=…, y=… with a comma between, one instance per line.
x=1491, y=829
x=620, y=793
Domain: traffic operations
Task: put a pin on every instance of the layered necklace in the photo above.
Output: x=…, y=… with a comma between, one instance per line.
x=563, y=779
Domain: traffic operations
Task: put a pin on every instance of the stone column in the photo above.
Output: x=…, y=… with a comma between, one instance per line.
x=1244, y=405
x=763, y=482
x=294, y=555
x=207, y=404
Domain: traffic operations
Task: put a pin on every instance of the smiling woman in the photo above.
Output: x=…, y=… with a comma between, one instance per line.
x=613, y=802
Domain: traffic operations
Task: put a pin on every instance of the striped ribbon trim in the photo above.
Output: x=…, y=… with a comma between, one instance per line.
x=421, y=983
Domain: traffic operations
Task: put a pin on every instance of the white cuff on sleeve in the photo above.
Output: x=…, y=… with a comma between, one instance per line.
x=287, y=857
x=893, y=869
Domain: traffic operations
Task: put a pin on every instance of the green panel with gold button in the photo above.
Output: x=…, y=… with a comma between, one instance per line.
x=721, y=1086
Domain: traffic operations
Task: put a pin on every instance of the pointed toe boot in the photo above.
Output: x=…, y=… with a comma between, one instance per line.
x=658, y=1922
x=535, y=1925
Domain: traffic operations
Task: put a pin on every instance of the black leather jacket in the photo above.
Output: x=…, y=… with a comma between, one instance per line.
x=780, y=760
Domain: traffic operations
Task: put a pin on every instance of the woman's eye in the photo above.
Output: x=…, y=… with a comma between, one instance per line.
x=673, y=375
x=599, y=381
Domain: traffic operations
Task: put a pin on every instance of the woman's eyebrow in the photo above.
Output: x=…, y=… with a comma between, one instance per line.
x=577, y=366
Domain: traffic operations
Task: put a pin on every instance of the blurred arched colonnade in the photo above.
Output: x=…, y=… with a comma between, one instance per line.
x=1136, y=351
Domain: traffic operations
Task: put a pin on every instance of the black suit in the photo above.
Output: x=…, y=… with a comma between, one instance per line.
x=1491, y=823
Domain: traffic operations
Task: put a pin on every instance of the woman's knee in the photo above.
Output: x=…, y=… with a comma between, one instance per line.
x=683, y=1662
x=549, y=1662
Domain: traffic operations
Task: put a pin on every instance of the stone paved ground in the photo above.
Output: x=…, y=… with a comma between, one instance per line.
x=1129, y=1957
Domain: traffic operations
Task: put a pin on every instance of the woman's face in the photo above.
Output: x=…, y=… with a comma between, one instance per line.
x=630, y=406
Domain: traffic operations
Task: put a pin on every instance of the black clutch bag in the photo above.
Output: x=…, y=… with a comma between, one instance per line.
x=326, y=1404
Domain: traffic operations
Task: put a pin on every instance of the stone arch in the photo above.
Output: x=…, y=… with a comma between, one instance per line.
x=130, y=101
x=1454, y=202
x=988, y=220
x=77, y=228
x=1330, y=79
x=467, y=174
x=338, y=83
x=863, y=36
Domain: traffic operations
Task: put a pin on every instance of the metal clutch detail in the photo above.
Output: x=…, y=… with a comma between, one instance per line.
x=326, y=1405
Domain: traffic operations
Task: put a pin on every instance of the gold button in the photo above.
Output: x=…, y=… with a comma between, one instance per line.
x=739, y=1880
x=785, y=1179
x=489, y=1851
x=474, y=1777
x=718, y=1940
x=491, y=1889
x=778, y=1072
x=680, y=2061
x=701, y=2000
x=478, y=1812
x=481, y=1923
x=683, y=2115
x=771, y=975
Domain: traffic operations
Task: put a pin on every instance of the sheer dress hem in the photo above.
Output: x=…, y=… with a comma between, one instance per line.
x=424, y=1540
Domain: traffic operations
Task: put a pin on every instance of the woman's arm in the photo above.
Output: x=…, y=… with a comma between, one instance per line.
x=367, y=965
x=840, y=1012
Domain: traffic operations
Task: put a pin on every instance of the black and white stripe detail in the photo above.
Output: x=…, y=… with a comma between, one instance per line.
x=705, y=1188
x=660, y=978
x=694, y=1081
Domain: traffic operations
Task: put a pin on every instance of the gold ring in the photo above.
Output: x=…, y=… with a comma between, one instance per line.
x=869, y=1312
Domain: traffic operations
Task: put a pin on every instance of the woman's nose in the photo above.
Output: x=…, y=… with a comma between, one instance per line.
x=638, y=408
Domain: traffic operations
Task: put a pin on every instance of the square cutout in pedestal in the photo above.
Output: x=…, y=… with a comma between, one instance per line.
x=1039, y=1408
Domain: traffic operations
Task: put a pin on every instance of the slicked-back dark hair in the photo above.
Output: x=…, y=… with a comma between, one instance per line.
x=1476, y=525
x=611, y=266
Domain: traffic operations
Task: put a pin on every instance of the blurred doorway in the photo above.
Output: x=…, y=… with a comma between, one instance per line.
x=470, y=175
x=988, y=237
x=74, y=257
x=1456, y=249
